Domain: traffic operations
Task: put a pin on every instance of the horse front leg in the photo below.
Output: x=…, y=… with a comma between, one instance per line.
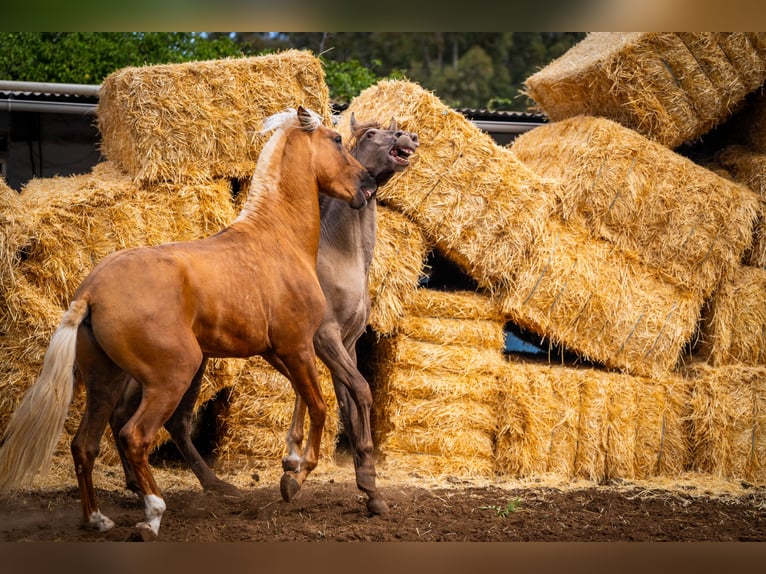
x=294, y=437
x=304, y=377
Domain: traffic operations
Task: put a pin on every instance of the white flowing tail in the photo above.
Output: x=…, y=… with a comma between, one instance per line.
x=34, y=429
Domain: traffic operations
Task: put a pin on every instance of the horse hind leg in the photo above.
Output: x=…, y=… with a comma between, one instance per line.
x=125, y=408
x=355, y=403
x=161, y=396
x=104, y=383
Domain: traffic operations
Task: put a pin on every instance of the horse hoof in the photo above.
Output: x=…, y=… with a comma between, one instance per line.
x=376, y=506
x=99, y=522
x=288, y=486
x=146, y=532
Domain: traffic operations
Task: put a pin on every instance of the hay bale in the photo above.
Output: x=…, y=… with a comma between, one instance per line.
x=436, y=386
x=733, y=326
x=71, y=223
x=198, y=121
x=589, y=423
x=453, y=305
x=670, y=87
x=396, y=268
x=472, y=199
x=595, y=299
x=259, y=414
x=748, y=167
x=728, y=421
x=682, y=219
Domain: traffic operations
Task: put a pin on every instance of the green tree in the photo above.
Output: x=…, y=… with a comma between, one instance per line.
x=88, y=57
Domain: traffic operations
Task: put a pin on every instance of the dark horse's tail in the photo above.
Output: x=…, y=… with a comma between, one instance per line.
x=34, y=429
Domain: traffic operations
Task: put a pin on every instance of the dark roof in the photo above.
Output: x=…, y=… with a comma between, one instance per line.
x=485, y=115
x=482, y=115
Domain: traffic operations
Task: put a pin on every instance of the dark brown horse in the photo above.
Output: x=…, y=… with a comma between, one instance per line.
x=156, y=313
x=346, y=245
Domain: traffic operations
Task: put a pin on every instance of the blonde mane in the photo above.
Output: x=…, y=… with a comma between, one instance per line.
x=282, y=120
x=268, y=171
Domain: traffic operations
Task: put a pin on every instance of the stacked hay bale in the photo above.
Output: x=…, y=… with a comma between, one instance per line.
x=590, y=423
x=396, y=269
x=683, y=220
x=602, y=302
x=201, y=120
x=436, y=385
x=747, y=165
x=500, y=221
x=733, y=325
x=58, y=230
x=669, y=87
x=728, y=420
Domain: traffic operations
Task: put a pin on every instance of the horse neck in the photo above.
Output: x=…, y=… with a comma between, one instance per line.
x=343, y=228
x=281, y=199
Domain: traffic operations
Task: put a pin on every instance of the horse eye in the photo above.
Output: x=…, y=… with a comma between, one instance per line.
x=370, y=134
x=338, y=139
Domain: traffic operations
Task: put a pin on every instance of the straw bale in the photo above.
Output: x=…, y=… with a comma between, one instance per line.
x=416, y=384
x=260, y=411
x=590, y=423
x=472, y=199
x=71, y=223
x=680, y=218
x=733, y=326
x=436, y=399
x=742, y=51
x=56, y=231
x=198, y=121
x=538, y=416
x=396, y=268
x=453, y=305
x=728, y=421
x=595, y=299
x=748, y=167
x=465, y=332
x=437, y=358
x=670, y=87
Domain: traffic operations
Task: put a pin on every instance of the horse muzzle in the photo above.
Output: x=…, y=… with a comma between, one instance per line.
x=364, y=192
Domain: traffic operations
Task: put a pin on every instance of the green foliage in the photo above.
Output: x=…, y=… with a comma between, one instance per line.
x=346, y=79
x=88, y=57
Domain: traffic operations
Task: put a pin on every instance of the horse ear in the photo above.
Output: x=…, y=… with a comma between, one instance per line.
x=392, y=126
x=306, y=120
x=356, y=129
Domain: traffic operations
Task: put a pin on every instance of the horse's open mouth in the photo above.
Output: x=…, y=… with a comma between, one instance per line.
x=401, y=155
x=367, y=192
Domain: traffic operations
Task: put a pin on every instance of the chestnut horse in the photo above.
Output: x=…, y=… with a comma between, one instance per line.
x=156, y=313
x=346, y=245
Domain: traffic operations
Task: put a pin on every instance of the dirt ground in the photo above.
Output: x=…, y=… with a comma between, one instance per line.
x=329, y=508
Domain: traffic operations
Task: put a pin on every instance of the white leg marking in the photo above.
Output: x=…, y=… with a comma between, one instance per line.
x=100, y=522
x=154, y=507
